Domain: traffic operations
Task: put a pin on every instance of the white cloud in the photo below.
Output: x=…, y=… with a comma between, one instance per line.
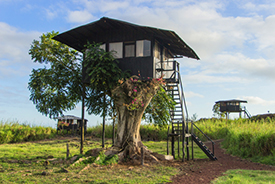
x=202, y=77
x=190, y=94
x=258, y=100
x=51, y=14
x=264, y=5
x=79, y=16
x=14, y=48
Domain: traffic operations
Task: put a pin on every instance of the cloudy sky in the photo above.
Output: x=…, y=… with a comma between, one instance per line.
x=234, y=39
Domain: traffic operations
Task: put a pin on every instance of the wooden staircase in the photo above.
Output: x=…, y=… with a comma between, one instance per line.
x=179, y=125
x=203, y=147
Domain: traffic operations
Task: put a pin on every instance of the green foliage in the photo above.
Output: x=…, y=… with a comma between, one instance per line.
x=246, y=176
x=147, y=132
x=13, y=132
x=153, y=132
x=243, y=137
x=56, y=87
x=102, y=74
x=157, y=112
x=217, y=112
x=102, y=159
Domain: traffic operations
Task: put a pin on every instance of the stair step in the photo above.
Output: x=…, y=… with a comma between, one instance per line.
x=203, y=147
x=176, y=111
x=173, y=85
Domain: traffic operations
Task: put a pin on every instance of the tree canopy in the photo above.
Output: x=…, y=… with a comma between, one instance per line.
x=217, y=112
x=56, y=87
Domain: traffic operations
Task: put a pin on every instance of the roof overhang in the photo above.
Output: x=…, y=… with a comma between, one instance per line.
x=233, y=100
x=78, y=37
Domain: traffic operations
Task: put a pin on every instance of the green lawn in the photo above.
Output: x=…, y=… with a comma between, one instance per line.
x=246, y=177
x=26, y=163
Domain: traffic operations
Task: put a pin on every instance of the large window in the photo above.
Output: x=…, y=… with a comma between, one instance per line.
x=129, y=49
x=143, y=48
x=116, y=48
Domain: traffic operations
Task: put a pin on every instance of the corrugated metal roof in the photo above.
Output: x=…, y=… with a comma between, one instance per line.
x=78, y=37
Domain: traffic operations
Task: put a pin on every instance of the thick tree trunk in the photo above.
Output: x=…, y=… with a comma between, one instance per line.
x=131, y=102
x=131, y=98
x=128, y=135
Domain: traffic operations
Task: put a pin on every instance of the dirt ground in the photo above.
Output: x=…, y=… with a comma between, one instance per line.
x=204, y=171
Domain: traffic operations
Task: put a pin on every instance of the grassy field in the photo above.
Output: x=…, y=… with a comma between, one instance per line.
x=27, y=163
x=253, y=140
x=13, y=132
x=246, y=177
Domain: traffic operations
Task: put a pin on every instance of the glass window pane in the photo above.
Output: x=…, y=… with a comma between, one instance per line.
x=143, y=48
x=147, y=48
x=130, y=50
x=139, y=49
x=116, y=48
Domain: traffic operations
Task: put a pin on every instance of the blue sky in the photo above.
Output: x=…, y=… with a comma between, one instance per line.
x=234, y=39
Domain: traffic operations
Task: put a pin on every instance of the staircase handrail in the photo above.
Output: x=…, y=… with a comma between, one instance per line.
x=185, y=105
x=202, y=132
x=186, y=111
x=181, y=87
x=246, y=112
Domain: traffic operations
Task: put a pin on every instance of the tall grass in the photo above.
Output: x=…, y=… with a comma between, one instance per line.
x=243, y=137
x=13, y=132
x=147, y=132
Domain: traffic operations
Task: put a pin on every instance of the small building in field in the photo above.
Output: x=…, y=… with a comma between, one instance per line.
x=70, y=123
x=233, y=105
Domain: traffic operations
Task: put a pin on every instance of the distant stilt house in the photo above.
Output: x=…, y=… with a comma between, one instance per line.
x=229, y=106
x=70, y=123
x=150, y=53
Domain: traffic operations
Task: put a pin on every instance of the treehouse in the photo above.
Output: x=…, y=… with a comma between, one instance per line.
x=141, y=50
x=148, y=52
x=229, y=106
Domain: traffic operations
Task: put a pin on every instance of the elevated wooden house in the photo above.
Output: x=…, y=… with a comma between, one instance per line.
x=138, y=48
x=143, y=50
x=233, y=105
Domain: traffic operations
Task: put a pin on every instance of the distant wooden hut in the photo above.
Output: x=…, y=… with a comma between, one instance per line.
x=233, y=105
x=70, y=123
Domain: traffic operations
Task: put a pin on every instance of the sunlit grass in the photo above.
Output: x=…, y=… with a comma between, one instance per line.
x=14, y=132
x=246, y=177
x=254, y=140
x=24, y=163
